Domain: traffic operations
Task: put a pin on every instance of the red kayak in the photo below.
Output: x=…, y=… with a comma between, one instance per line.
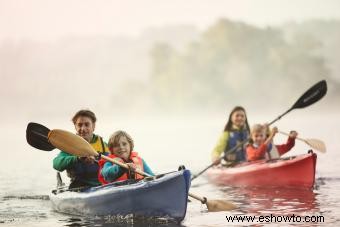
x=295, y=171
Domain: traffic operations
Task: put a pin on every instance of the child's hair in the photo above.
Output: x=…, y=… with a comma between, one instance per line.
x=229, y=124
x=114, y=138
x=258, y=128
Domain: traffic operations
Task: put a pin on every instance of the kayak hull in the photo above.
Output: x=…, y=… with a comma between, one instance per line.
x=165, y=196
x=296, y=171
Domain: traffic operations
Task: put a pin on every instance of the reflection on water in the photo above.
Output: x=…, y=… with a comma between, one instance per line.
x=19, y=209
x=38, y=197
x=106, y=221
x=276, y=201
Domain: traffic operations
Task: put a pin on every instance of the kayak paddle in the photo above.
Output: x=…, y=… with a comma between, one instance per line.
x=311, y=96
x=36, y=136
x=76, y=145
x=313, y=143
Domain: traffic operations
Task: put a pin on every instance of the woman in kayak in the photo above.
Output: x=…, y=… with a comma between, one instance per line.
x=261, y=146
x=236, y=131
x=121, y=149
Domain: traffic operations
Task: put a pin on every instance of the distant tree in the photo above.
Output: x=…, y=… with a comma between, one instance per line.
x=234, y=62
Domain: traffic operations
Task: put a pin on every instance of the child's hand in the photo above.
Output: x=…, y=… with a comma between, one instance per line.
x=131, y=166
x=274, y=131
x=293, y=134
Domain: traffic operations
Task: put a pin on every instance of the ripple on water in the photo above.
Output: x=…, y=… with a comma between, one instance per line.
x=19, y=209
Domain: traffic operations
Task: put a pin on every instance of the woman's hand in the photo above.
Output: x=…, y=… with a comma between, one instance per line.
x=217, y=161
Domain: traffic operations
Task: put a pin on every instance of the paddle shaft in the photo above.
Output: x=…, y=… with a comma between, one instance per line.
x=220, y=159
x=199, y=198
x=198, y=174
x=279, y=117
x=287, y=134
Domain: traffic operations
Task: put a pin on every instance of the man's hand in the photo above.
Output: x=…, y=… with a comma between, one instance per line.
x=87, y=160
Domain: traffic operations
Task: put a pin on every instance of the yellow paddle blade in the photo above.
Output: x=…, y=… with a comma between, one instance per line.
x=220, y=205
x=316, y=144
x=313, y=143
x=70, y=143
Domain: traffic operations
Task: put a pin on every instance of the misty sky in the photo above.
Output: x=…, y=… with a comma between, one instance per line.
x=47, y=20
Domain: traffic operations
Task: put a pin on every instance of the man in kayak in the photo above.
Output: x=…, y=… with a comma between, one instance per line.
x=121, y=149
x=82, y=171
x=261, y=146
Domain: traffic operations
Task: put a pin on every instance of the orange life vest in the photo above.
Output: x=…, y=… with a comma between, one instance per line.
x=134, y=158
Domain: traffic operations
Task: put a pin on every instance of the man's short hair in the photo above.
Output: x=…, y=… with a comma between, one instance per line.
x=84, y=113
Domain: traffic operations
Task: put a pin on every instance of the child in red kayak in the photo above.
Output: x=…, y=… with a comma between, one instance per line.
x=121, y=149
x=261, y=146
x=235, y=131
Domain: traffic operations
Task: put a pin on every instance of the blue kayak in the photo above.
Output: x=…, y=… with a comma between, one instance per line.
x=161, y=196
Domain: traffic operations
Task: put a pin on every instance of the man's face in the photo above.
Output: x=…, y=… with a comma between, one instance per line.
x=84, y=127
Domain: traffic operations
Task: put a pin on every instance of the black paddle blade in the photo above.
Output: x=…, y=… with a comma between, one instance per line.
x=37, y=136
x=311, y=96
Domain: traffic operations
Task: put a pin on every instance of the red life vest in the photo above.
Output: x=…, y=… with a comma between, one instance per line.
x=134, y=158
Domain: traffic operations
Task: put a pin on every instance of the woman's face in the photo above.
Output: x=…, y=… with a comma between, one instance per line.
x=238, y=118
x=122, y=148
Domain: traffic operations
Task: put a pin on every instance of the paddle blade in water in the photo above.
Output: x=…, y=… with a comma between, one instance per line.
x=71, y=143
x=312, y=95
x=220, y=205
x=36, y=136
x=316, y=144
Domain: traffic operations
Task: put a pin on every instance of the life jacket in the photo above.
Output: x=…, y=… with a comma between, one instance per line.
x=271, y=152
x=126, y=174
x=98, y=144
x=236, y=137
x=82, y=171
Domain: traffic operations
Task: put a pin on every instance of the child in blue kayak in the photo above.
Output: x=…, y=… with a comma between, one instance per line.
x=261, y=146
x=236, y=131
x=121, y=148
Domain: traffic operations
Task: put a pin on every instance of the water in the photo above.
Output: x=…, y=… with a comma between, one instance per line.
x=27, y=177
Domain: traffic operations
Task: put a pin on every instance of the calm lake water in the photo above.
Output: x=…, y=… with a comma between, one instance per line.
x=27, y=176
